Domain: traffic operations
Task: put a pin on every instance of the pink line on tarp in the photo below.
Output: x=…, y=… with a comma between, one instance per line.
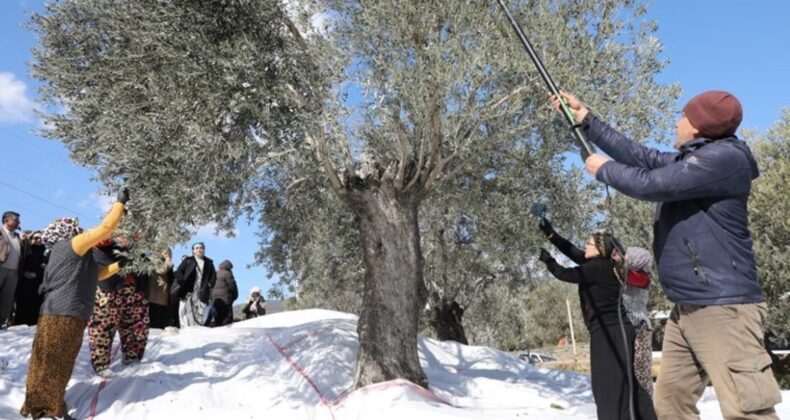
x=342, y=397
x=102, y=384
x=304, y=375
x=395, y=383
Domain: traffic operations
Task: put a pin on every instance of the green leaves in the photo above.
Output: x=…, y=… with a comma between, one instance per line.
x=444, y=87
x=173, y=98
x=768, y=209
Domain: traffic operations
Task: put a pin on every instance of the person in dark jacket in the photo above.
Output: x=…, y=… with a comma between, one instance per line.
x=223, y=294
x=599, y=285
x=195, y=277
x=28, y=300
x=256, y=304
x=12, y=249
x=703, y=250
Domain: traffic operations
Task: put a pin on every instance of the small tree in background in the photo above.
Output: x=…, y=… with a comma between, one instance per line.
x=768, y=209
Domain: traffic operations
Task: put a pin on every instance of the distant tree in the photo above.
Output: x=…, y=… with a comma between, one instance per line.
x=769, y=208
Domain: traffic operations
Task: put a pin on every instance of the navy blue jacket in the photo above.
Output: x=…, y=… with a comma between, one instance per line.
x=702, y=242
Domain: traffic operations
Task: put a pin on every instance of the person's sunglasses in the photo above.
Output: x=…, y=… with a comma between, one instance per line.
x=36, y=239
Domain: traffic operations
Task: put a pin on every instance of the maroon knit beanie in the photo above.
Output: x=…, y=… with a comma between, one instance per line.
x=715, y=113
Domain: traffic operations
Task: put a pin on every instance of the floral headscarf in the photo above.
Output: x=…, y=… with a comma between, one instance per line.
x=61, y=229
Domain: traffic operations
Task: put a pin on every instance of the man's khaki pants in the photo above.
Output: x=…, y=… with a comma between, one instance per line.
x=723, y=343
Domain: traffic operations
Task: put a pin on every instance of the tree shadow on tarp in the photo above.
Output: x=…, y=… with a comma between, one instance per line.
x=131, y=388
x=549, y=385
x=324, y=350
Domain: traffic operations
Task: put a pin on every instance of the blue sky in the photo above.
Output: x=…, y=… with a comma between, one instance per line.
x=711, y=44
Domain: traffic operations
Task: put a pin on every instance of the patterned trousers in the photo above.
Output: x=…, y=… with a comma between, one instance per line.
x=55, y=347
x=124, y=310
x=643, y=358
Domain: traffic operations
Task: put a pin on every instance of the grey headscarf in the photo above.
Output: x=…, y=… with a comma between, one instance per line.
x=635, y=298
x=637, y=258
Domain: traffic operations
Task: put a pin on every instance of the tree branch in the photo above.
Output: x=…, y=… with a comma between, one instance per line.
x=297, y=182
x=420, y=163
x=319, y=147
x=469, y=138
x=402, y=145
x=435, y=117
x=477, y=285
x=491, y=105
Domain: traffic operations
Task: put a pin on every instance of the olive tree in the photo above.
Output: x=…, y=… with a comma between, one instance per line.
x=429, y=96
x=213, y=109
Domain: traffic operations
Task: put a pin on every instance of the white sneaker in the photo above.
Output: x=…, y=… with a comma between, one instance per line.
x=107, y=373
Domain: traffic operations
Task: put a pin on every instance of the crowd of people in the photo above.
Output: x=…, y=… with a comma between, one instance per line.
x=63, y=278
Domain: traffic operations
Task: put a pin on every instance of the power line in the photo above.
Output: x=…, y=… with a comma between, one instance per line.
x=35, y=146
x=44, y=200
x=16, y=207
x=33, y=181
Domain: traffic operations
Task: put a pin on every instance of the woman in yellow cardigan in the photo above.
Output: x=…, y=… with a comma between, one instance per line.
x=69, y=287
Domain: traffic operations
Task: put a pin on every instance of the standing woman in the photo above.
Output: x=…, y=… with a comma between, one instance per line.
x=223, y=294
x=28, y=300
x=120, y=308
x=599, y=284
x=636, y=293
x=159, y=292
x=69, y=286
x=195, y=277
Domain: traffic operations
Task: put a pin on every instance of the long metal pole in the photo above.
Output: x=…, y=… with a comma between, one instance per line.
x=587, y=148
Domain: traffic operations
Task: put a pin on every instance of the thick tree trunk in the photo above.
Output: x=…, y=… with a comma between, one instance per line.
x=394, y=290
x=446, y=321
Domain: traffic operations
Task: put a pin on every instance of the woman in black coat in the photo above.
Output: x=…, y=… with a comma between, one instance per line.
x=223, y=294
x=598, y=279
x=28, y=299
x=195, y=277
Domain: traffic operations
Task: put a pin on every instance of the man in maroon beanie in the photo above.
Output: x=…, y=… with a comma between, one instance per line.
x=703, y=250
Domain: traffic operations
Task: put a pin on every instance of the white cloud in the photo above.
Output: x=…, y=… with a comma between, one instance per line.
x=95, y=200
x=210, y=231
x=104, y=202
x=15, y=106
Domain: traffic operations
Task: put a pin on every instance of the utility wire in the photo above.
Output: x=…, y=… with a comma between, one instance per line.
x=44, y=200
x=35, y=146
x=20, y=208
x=33, y=181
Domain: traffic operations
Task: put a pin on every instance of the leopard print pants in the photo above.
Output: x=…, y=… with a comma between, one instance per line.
x=55, y=347
x=643, y=358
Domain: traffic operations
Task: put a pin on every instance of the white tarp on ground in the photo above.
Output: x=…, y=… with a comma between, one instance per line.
x=299, y=365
